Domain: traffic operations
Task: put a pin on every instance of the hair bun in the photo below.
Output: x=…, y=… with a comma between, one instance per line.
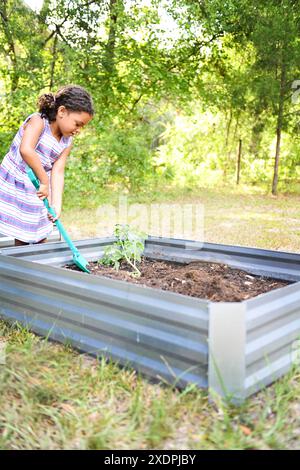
x=46, y=101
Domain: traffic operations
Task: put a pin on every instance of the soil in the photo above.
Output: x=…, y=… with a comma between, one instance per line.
x=216, y=282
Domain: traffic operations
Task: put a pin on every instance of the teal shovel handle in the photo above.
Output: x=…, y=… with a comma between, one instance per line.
x=58, y=223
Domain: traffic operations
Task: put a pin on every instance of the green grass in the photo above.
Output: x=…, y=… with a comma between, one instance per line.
x=234, y=216
x=51, y=397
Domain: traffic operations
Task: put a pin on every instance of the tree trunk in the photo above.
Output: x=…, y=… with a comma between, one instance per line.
x=226, y=151
x=53, y=62
x=279, y=125
x=257, y=132
x=239, y=162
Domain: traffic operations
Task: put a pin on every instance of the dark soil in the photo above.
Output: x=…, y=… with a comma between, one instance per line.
x=210, y=281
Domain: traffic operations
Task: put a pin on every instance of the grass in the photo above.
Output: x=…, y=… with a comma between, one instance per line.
x=51, y=397
x=54, y=398
x=240, y=217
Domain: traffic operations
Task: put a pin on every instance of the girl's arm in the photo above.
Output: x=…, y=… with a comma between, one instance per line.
x=57, y=181
x=32, y=131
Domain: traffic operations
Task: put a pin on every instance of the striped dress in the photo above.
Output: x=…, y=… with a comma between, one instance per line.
x=22, y=214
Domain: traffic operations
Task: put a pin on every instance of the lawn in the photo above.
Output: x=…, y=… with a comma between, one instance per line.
x=52, y=397
x=246, y=216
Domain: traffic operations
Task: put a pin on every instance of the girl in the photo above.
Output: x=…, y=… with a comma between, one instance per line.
x=43, y=143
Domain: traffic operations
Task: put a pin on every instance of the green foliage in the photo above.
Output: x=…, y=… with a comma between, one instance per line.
x=171, y=105
x=129, y=247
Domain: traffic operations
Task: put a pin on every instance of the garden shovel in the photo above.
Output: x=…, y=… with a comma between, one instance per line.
x=78, y=259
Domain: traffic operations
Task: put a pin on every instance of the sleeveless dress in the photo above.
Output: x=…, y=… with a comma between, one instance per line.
x=22, y=214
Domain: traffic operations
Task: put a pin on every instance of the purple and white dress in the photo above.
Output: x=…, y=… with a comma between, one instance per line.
x=22, y=214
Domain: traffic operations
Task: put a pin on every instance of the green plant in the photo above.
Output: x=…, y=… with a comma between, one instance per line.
x=128, y=247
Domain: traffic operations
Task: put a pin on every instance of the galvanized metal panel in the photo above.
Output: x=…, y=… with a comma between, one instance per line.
x=272, y=325
x=158, y=334
x=267, y=373
x=279, y=265
x=227, y=336
x=58, y=254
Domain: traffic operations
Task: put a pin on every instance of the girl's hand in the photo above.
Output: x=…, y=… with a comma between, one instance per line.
x=57, y=211
x=43, y=191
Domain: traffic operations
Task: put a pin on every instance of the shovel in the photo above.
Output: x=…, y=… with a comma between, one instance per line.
x=78, y=259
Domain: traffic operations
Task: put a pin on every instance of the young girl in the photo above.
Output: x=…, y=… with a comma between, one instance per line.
x=43, y=142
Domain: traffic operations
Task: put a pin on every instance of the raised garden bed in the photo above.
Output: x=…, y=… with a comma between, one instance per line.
x=233, y=348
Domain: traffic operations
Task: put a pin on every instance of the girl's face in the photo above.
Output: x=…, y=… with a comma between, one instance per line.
x=71, y=122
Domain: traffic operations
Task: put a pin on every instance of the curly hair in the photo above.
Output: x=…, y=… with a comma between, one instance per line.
x=73, y=97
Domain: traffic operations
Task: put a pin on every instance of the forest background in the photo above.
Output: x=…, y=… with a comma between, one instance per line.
x=188, y=93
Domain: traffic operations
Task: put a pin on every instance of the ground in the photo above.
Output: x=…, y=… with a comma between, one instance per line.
x=51, y=397
x=211, y=281
x=246, y=217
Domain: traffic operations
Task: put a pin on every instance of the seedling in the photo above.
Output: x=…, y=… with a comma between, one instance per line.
x=129, y=247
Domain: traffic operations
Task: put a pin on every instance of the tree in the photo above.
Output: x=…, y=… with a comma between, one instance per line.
x=271, y=27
